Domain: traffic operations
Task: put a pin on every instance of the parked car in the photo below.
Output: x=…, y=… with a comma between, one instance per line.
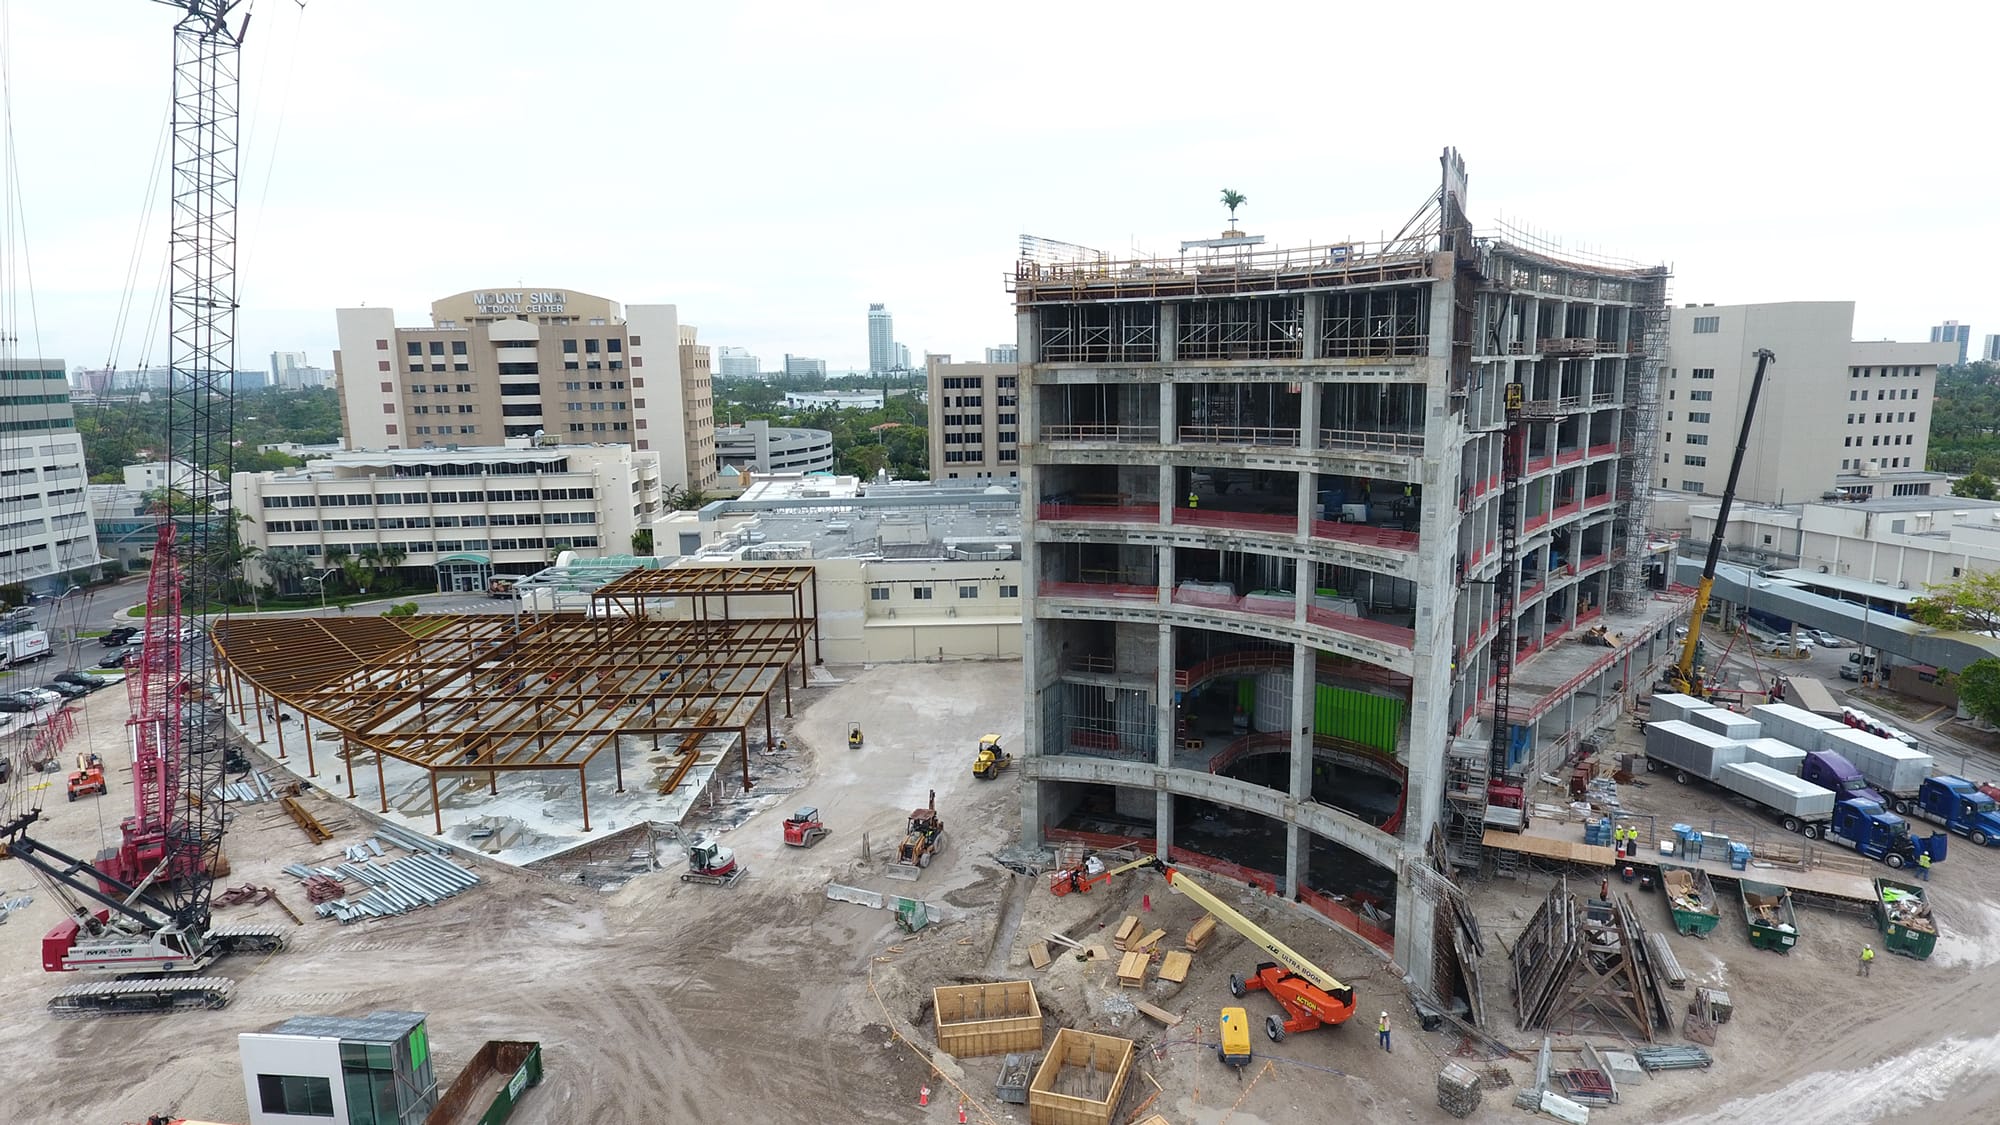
x=1850, y=673
x=40, y=697
x=122, y=635
x=86, y=681
x=118, y=659
x=66, y=690
x=12, y=705
x=1824, y=639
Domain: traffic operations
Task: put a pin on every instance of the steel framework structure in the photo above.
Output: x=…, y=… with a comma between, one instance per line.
x=488, y=694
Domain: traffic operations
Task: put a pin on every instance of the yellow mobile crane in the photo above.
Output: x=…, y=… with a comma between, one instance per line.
x=1683, y=677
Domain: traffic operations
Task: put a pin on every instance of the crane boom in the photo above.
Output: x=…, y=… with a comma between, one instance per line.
x=1684, y=679
x=1290, y=958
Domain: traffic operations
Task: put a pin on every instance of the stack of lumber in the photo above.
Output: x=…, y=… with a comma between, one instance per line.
x=1132, y=969
x=1665, y=964
x=1199, y=933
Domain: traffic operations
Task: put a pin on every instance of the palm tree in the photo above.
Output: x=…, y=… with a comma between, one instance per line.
x=286, y=566
x=1233, y=199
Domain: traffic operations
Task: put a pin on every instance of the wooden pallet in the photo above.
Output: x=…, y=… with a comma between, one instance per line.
x=1174, y=967
x=1132, y=969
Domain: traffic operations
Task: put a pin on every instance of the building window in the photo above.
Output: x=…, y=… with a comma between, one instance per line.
x=1698, y=416
x=1691, y=486
x=920, y=593
x=590, y=347
x=1702, y=373
x=416, y=348
x=1010, y=591
x=381, y=365
x=635, y=341
x=1694, y=460
x=1692, y=439
x=966, y=592
x=296, y=1095
x=458, y=347
x=1701, y=396
x=614, y=345
x=1706, y=324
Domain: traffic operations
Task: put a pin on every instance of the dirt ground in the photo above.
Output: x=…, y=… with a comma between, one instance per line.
x=660, y=1001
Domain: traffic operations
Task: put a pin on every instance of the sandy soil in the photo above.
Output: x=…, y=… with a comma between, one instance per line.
x=659, y=1001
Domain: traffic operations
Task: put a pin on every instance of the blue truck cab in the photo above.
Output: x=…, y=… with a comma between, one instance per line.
x=1958, y=805
x=1874, y=832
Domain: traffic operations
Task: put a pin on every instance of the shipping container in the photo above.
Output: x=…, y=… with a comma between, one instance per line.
x=1889, y=766
x=1787, y=795
x=1795, y=725
x=1776, y=753
x=1668, y=706
x=1728, y=724
x=1688, y=748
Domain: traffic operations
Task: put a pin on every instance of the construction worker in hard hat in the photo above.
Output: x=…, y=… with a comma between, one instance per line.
x=1382, y=1030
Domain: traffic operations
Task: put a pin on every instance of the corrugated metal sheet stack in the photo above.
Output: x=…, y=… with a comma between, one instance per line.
x=423, y=878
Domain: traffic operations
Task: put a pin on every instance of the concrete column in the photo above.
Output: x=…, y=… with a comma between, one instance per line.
x=1304, y=681
x=1169, y=426
x=1308, y=493
x=1163, y=822
x=1309, y=407
x=1309, y=323
x=1169, y=331
x=1163, y=694
x=1298, y=857
x=1171, y=496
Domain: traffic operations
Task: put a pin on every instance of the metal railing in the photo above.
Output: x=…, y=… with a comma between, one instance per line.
x=1286, y=437
x=1371, y=441
x=1108, y=433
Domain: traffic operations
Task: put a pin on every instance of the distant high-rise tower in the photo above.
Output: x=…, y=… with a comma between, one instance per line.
x=1005, y=353
x=1952, y=332
x=1992, y=352
x=881, y=339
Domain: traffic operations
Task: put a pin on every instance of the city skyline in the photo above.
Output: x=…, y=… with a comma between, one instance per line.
x=1742, y=215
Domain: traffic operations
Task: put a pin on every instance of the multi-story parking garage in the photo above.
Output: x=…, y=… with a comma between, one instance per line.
x=1278, y=547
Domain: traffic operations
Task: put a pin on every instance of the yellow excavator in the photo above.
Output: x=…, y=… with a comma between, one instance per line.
x=1684, y=677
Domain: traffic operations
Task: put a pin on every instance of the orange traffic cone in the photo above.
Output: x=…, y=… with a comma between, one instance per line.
x=924, y=1094
x=961, y=1113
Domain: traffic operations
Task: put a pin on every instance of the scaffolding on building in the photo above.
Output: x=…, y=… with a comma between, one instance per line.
x=1639, y=437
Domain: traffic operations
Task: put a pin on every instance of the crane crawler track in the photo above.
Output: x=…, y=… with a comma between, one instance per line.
x=128, y=997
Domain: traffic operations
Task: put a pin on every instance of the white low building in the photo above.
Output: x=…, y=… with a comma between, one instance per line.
x=904, y=571
x=340, y=1070
x=1903, y=542
x=466, y=513
x=838, y=400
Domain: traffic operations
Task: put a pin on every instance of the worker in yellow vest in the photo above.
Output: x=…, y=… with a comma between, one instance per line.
x=1382, y=1030
x=1867, y=958
x=1193, y=502
x=1924, y=866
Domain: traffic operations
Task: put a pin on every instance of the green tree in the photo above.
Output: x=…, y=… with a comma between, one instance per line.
x=286, y=567
x=1970, y=602
x=642, y=541
x=1233, y=200
x=1975, y=485
x=1978, y=688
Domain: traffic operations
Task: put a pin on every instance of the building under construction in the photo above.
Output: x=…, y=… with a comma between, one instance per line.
x=1299, y=522
x=657, y=665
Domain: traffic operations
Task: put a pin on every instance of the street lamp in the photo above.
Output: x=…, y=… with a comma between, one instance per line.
x=320, y=581
x=55, y=620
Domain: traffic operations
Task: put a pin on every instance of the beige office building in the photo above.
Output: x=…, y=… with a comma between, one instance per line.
x=698, y=407
x=1833, y=410
x=515, y=363
x=975, y=419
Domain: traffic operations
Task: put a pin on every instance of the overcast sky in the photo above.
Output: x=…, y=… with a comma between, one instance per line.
x=772, y=169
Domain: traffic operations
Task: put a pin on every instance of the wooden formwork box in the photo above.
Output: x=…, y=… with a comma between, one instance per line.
x=1107, y=1056
x=987, y=1019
